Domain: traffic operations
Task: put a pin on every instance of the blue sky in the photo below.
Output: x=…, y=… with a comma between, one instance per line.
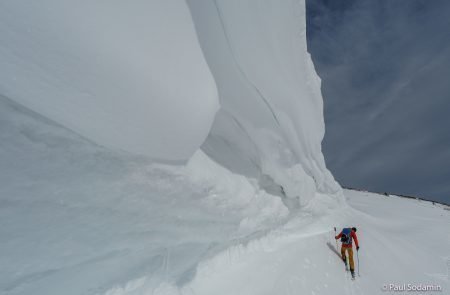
x=385, y=69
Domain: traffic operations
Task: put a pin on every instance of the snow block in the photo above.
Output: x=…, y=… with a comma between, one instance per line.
x=127, y=75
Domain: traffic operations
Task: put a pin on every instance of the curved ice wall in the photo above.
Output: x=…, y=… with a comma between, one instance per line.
x=132, y=75
x=128, y=75
x=271, y=123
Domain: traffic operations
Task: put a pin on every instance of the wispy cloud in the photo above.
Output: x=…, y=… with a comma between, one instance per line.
x=385, y=67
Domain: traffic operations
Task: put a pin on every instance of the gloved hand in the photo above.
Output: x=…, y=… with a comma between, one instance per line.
x=357, y=248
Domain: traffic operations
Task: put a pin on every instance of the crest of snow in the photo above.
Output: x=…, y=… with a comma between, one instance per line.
x=127, y=75
x=270, y=126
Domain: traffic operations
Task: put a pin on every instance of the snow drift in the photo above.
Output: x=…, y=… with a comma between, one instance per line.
x=133, y=76
x=271, y=124
x=79, y=219
x=82, y=216
x=127, y=75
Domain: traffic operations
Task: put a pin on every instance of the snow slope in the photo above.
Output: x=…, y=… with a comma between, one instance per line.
x=402, y=241
x=84, y=207
x=80, y=219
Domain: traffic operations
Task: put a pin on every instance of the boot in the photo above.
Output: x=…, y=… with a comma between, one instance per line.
x=345, y=262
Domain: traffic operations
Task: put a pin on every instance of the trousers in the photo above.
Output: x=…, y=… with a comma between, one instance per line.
x=349, y=251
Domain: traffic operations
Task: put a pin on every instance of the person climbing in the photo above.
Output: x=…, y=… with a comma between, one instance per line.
x=347, y=235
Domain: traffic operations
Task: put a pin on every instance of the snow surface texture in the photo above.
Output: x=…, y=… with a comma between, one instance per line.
x=79, y=219
x=402, y=242
x=270, y=126
x=128, y=75
x=134, y=77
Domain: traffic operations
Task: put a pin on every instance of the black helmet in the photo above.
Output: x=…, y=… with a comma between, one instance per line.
x=354, y=229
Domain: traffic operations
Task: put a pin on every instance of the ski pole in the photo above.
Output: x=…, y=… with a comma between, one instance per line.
x=357, y=256
x=335, y=239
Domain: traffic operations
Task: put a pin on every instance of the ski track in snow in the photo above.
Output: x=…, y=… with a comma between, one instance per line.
x=78, y=218
x=301, y=256
x=98, y=222
x=384, y=256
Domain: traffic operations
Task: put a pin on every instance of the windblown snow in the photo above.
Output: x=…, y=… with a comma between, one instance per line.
x=127, y=75
x=172, y=147
x=270, y=126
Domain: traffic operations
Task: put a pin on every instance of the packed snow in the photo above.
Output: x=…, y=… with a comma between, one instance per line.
x=127, y=75
x=147, y=77
x=402, y=243
x=120, y=173
x=270, y=125
x=80, y=219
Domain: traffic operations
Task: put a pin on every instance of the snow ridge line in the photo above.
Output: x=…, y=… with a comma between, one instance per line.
x=446, y=206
